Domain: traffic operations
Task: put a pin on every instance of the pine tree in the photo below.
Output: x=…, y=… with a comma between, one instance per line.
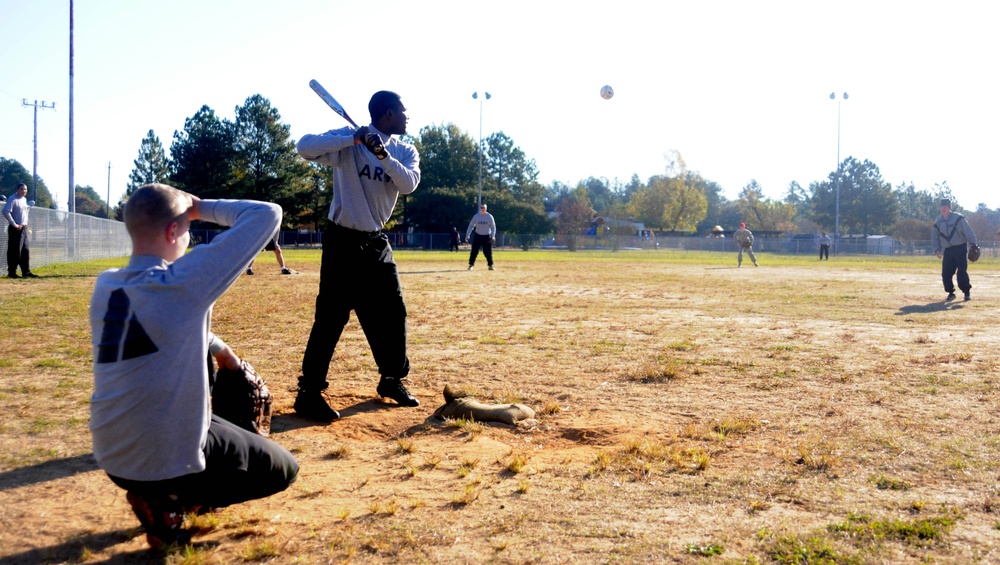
x=151, y=166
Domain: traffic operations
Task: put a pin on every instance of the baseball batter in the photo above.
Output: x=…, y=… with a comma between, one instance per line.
x=371, y=168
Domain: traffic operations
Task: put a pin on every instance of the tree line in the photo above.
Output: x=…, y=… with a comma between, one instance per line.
x=253, y=156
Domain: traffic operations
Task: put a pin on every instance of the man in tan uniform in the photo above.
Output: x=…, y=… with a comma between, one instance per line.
x=744, y=240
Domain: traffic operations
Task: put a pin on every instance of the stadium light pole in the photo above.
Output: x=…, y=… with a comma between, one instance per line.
x=475, y=96
x=836, y=226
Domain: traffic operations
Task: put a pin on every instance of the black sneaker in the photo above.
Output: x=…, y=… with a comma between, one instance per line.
x=312, y=406
x=162, y=518
x=285, y=271
x=968, y=297
x=951, y=296
x=30, y=275
x=249, y=271
x=13, y=276
x=394, y=389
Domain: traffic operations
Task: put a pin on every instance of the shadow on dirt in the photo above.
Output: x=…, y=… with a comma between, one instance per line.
x=76, y=550
x=47, y=471
x=929, y=308
x=290, y=421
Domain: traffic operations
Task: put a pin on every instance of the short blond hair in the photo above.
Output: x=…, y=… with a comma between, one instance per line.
x=152, y=208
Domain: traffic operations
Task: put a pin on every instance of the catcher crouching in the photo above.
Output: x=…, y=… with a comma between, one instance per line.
x=153, y=430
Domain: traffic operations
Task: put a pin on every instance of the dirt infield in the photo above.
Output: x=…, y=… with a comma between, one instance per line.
x=689, y=412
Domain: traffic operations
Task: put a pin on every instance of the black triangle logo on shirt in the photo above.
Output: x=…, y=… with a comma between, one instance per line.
x=137, y=342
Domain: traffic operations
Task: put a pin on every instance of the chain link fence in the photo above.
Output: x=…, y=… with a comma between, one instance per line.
x=60, y=237
x=56, y=236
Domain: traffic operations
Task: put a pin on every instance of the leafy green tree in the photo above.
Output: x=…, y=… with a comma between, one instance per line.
x=674, y=201
x=449, y=172
x=799, y=198
x=89, y=203
x=573, y=214
x=603, y=196
x=265, y=165
x=715, y=203
x=985, y=223
x=686, y=206
x=867, y=202
x=13, y=173
x=313, y=203
x=448, y=158
x=203, y=155
x=763, y=213
x=916, y=204
x=150, y=166
x=506, y=169
x=438, y=209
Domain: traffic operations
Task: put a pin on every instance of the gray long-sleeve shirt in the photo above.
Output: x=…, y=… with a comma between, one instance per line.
x=15, y=210
x=951, y=231
x=149, y=413
x=364, y=189
x=483, y=224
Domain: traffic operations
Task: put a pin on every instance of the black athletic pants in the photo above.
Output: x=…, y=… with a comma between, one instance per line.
x=486, y=243
x=239, y=466
x=956, y=258
x=17, y=250
x=824, y=250
x=357, y=273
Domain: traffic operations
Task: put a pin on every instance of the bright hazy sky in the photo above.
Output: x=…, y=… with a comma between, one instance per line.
x=740, y=88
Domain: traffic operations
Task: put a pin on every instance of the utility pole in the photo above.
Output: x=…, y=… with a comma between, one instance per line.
x=72, y=185
x=107, y=204
x=34, y=166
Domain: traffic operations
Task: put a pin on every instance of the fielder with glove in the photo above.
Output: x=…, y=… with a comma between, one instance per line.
x=952, y=239
x=744, y=241
x=482, y=231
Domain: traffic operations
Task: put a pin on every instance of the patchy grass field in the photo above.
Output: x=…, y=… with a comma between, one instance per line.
x=690, y=412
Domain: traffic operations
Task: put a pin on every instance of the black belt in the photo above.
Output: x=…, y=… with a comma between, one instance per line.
x=352, y=233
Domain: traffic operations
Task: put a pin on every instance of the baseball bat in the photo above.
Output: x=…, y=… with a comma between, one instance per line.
x=330, y=101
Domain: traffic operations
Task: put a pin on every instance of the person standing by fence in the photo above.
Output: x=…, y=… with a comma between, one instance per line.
x=824, y=247
x=483, y=231
x=15, y=211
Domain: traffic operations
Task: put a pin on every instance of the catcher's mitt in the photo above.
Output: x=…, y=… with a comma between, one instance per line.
x=974, y=252
x=242, y=398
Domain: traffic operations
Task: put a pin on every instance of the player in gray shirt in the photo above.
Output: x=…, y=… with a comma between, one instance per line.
x=950, y=238
x=371, y=168
x=15, y=211
x=150, y=417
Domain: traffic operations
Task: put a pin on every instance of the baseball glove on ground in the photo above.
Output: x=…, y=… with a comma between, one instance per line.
x=974, y=252
x=242, y=398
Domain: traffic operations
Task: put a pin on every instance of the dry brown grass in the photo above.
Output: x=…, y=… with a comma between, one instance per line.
x=690, y=411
